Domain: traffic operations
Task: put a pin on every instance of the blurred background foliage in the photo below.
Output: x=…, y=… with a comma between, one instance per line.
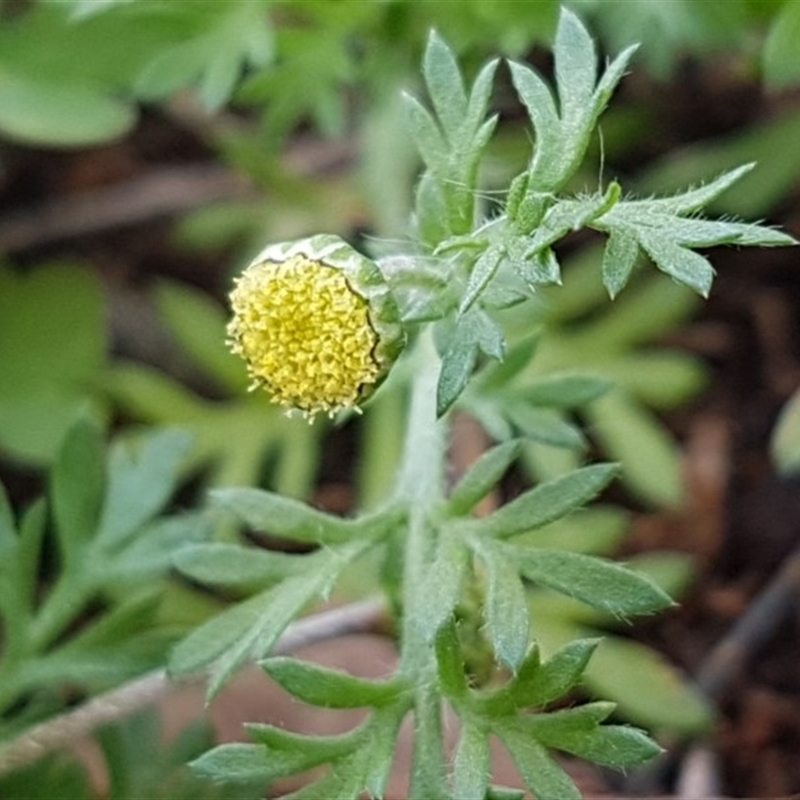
x=296, y=105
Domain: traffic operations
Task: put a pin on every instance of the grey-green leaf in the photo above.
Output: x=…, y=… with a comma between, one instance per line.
x=283, y=517
x=619, y=259
x=680, y=263
x=328, y=688
x=542, y=775
x=482, y=477
x=548, y=501
x=506, y=606
x=445, y=85
x=471, y=768
x=599, y=583
x=575, y=65
x=78, y=486
x=231, y=566
x=538, y=684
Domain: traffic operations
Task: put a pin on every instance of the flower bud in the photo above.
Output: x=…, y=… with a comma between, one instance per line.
x=316, y=323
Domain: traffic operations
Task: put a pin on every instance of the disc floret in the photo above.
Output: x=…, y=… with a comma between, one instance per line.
x=316, y=324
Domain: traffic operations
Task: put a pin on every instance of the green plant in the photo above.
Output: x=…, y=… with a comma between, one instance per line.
x=101, y=620
x=459, y=583
x=503, y=639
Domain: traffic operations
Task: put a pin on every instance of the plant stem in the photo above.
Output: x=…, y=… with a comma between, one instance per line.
x=421, y=487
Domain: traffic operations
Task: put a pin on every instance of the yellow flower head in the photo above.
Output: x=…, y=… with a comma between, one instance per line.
x=316, y=324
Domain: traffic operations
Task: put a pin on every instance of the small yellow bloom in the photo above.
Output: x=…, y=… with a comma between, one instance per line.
x=316, y=324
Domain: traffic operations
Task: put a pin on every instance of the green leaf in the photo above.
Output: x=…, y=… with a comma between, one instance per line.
x=141, y=477
x=498, y=374
x=597, y=582
x=221, y=634
x=541, y=774
x=537, y=684
x=77, y=488
x=482, y=477
x=450, y=662
x=482, y=272
x=564, y=389
x=45, y=386
x=785, y=441
x=506, y=606
x=8, y=529
x=445, y=86
x=545, y=425
x=650, y=459
x=546, y=167
x=687, y=202
x=230, y=566
x=554, y=724
x=56, y=777
x=457, y=365
x=619, y=259
x=319, y=749
x=577, y=731
x=471, y=767
x=647, y=688
x=479, y=100
x=680, y=263
x=575, y=65
x=428, y=766
x=444, y=579
x=328, y=688
x=199, y=325
x=239, y=763
x=547, y=501
x=596, y=530
x=151, y=551
x=49, y=113
x=426, y=135
x=781, y=69
x=283, y=517
x=31, y=537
